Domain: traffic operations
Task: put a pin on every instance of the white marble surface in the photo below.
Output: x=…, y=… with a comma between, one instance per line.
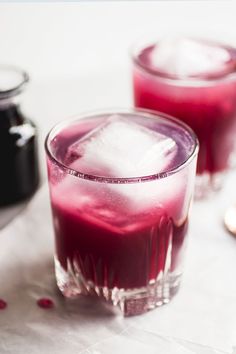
x=201, y=319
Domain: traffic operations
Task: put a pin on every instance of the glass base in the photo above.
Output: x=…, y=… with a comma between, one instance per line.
x=208, y=184
x=131, y=301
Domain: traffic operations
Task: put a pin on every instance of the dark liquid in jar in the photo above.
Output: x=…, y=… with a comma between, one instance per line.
x=19, y=176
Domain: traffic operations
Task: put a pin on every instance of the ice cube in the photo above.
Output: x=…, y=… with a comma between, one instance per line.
x=121, y=148
x=183, y=57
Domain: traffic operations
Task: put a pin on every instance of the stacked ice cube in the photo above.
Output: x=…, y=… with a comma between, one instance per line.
x=121, y=148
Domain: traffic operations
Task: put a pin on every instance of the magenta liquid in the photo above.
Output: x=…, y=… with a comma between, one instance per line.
x=113, y=238
x=124, y=255
x=206, y=101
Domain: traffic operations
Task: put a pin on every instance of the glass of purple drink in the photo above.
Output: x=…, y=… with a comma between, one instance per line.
x=121, y=184
x=195, y=81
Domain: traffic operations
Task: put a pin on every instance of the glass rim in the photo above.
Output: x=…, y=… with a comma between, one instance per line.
x=18, y=88
x=120, y=180
x=138, y=45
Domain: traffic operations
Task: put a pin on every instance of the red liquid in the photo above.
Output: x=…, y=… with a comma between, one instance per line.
x=210, y=109
x=110, y=239
x=112, y=256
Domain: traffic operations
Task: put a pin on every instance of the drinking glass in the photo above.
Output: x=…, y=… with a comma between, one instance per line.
x=204, y=98
x=121, y=185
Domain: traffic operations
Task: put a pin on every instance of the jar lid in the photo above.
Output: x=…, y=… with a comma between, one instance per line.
x=12, y=81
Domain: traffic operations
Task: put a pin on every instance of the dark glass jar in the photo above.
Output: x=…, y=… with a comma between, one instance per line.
x=19, y=175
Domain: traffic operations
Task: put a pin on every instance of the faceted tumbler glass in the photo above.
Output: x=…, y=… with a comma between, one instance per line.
x=121, y=239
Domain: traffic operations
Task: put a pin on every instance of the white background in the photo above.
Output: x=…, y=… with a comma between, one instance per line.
x=70, y=39
x=77, y=53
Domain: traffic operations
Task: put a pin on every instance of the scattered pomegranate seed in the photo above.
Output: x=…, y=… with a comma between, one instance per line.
x=45, y=303
x=3, y=304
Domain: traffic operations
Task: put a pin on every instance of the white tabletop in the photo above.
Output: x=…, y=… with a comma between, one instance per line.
x=56, y=46
x=201, y=318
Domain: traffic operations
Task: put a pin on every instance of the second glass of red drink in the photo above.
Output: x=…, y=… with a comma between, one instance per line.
x=195, y=81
